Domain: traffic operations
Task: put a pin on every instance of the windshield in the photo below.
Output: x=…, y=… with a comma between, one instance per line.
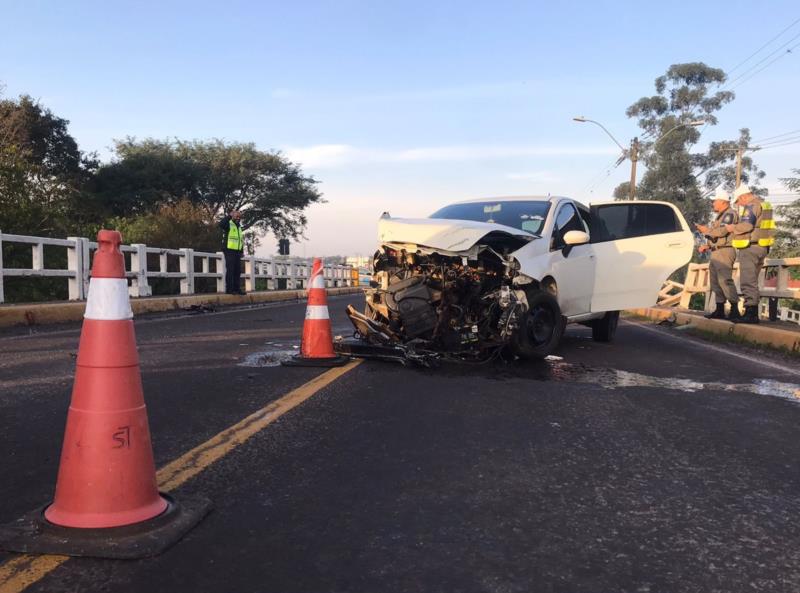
x=526, y=216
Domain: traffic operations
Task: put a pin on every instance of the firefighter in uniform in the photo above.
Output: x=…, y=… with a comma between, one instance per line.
x=233, y=247
x=753, y=235
x=723, y=256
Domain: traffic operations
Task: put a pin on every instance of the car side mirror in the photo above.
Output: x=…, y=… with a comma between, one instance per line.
x=576, y=238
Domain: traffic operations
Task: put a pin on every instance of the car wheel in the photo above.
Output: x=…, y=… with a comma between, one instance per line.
x=541, y=327
x=605, y=328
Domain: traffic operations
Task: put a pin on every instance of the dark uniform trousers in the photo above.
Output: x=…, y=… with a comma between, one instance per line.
x=720, y=271
x=233, y=270
x=751, y=260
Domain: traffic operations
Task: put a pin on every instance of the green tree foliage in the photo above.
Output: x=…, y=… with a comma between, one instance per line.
x=787, y=239
x=42, y=172
x=215, y=177
x=173, y=226
x=685, y=93
x=719, y=165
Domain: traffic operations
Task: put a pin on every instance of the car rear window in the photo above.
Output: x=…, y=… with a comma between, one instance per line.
x=524, y=215
x=624, y=221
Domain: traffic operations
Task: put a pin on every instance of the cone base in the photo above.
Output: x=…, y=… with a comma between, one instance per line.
x=83, y=520
x=33, y=534
x=300, y=361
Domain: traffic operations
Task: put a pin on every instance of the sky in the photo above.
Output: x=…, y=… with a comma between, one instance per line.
x=398, y=106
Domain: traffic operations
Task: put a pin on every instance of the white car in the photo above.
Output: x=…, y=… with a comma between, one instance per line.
x=480, y=276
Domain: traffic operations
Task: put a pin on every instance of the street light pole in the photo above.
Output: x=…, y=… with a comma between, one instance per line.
x=633, y=152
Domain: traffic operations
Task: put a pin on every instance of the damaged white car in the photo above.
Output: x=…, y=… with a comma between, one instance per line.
x=481, y=277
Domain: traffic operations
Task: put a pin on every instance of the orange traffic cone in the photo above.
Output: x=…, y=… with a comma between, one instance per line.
x=107, y=477
x=316, y=346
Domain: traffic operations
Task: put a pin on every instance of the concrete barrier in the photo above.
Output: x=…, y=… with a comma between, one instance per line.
x=762, y=334
x=62, y=312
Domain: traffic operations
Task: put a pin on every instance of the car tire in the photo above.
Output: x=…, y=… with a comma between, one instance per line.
x=541, y=327
x=605, y=328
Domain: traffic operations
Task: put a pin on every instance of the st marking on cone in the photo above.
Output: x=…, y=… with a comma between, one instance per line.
x=107, y=475
x=107, y=503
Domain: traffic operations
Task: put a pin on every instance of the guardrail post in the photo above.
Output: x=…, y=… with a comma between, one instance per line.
x=187, y=269
x=87, y=264
x=269, y=272
x=250, y=273
x=2, y=294
x=139, y=285
x=221, y=271
x=291, y=270
x=75, y=264
x=37, y=256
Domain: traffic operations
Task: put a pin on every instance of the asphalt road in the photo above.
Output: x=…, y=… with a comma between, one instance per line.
x=657, y=463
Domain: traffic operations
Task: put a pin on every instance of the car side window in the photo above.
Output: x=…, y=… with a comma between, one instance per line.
x=612, y=222
x=567, y=220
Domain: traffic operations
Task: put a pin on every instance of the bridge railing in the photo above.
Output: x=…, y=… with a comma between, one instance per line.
x=775, y=282
x=191, y=265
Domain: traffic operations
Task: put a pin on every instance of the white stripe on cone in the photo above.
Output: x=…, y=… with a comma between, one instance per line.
x=317, y=312
x=318, y=281
x=108, y=300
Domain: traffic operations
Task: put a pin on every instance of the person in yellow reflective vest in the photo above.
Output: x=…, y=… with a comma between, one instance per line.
x=753, y=235
x=723, y=256
x=233, y=246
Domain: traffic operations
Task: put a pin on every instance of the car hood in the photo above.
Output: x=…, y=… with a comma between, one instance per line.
x=450, y=235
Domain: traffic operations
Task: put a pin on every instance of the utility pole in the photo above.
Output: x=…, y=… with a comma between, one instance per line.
x=739, y=152
x=634, y=156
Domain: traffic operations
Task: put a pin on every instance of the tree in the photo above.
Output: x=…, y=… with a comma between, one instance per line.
x=719, y=167
x=271, y=191
x=787, y=239
x=683, y=94
x=172, y=225
x=42, y=171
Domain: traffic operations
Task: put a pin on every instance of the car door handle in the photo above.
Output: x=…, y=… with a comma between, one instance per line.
x=678, y=244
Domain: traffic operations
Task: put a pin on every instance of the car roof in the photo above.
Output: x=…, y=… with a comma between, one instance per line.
x=547, y=198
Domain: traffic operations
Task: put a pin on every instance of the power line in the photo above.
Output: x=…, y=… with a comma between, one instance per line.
x=795, y=141
x=775, y=136
x=768, y=64
x=747, y=59
x=607, y=170
x=780, y=142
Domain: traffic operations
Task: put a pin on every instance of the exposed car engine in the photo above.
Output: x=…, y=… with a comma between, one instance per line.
x=460, y=307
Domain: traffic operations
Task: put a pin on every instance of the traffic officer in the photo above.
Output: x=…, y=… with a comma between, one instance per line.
x=723, y=256
x=233, y=246
x=753, y=235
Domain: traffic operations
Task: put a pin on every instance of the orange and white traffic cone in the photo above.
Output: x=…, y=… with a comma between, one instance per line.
x=316, y=346
x=106, y=478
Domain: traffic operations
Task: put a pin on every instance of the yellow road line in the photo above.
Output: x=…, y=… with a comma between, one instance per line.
x=192, y=463
x=22, y=571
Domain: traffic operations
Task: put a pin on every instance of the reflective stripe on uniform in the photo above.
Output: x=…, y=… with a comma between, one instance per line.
x=768, y=224
x=234, y=236
x=317, y=312
x=766, y=228
x=108, y=300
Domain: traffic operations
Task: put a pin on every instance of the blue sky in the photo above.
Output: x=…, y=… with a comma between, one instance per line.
x=396, y=106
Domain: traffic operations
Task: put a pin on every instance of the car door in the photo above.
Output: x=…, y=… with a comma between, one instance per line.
x=637, y=246
x=571, y=266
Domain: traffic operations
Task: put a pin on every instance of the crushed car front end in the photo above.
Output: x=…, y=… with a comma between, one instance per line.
x=444, y=289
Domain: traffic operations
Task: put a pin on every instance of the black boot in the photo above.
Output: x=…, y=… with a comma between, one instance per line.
x=750, y=315
x=734, y=315
x=718, y=314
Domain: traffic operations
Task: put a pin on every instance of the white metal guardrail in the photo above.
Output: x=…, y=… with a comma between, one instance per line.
x=775, y=282
x=191, y=266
